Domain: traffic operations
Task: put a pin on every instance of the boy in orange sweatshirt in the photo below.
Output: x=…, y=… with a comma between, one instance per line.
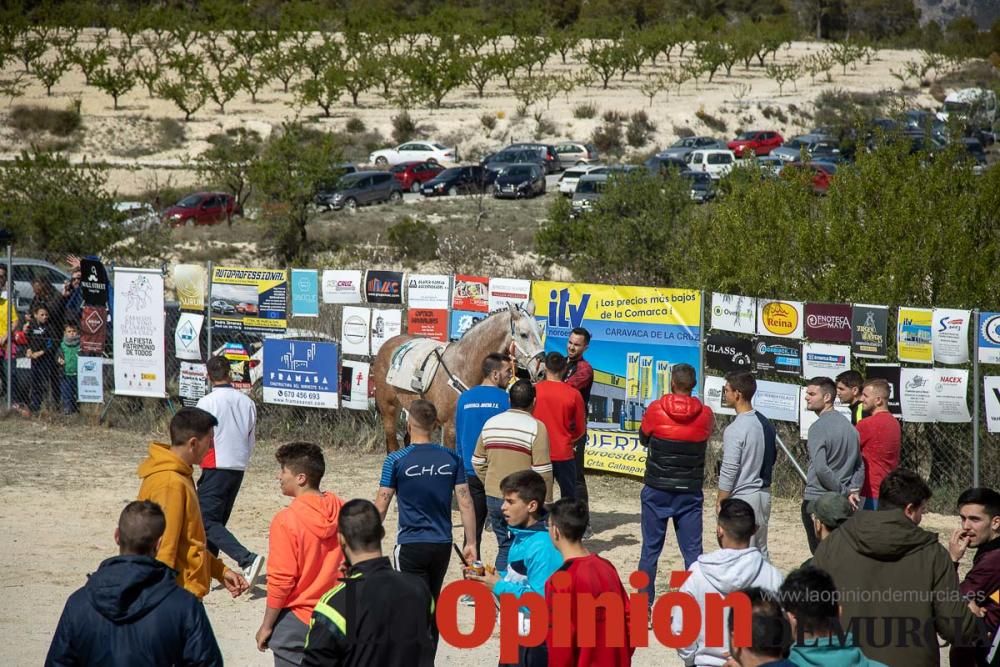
x=304, y=553
x=167, y=481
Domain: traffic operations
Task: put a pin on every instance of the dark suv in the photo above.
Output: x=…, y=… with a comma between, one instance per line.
x=510, y=156
x=361, y=188
x=459, y=180
x=547, y=153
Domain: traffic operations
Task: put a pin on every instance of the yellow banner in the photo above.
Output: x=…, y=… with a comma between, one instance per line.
x=615, y=451
x=646, y=378
x=913, y=335
x=662, y=378
x=568, y=304
x=632, y=375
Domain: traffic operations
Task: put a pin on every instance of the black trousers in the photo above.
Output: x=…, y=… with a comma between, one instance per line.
x=807, y=523
x=217, y=490
x=427, y=561
x=45, y=377
x=579, y=451
x=565, y=474
x=478, y=493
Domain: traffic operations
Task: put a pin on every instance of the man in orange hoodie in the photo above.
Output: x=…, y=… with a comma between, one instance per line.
x=305, y=555
x=167, y=480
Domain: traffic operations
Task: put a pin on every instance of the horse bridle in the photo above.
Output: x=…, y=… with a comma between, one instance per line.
x=520, y=353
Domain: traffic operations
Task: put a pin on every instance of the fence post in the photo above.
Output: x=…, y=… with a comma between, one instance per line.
x=975, y=398
x=11, y=305
x=701, y=349
x=208, y=301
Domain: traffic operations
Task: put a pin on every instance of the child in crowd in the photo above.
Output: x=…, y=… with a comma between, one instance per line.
x=582, y=573
x=42, y=348
x=69, y=350
x=533, y=558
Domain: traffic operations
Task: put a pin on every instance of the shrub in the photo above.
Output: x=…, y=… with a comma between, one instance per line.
x=489, y=122
x=639, y=129
x=612, y=116
x=774, y=113
x=355, y=125
x=415, y=240
x=403, y=127
x=544, y=128
x=170, y=134
x=585, y=110
x=683, y=132
x=608, y=139
x=713, y=123
x=31, y=118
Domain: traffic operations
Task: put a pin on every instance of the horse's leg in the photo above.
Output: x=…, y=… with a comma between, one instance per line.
x=448, y=434
x=389, y=419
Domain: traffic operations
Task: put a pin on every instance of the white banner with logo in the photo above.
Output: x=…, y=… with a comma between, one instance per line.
x=779, y=318
x=341, y=286
x=428, y=291
x=187, y=336
x=824, y=359
x=90, y=379
x=732, y=312
x=505, y=291
x=915, y=394
x=713, y=395
x=139, y=350
x=355, y=330
x=192, y=382
x=385, y=325
x=950, y=336
x=778, y=401
x=354, y=385
x=989, y=338
x=950, y=392
x=991, y=387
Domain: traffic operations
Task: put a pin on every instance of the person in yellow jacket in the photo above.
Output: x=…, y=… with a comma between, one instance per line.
x=167, y=480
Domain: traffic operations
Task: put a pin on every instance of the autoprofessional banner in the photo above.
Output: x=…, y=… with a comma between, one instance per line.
x=989, y=338
x=913, y=335
x=777, y=355
x=340, y=286
x=828, y=322
x=471, y=293
x=892, y=374
x=950, y=336
x=732, y=312
x=824, y=359
x=662, y=325
x=189, y=284
x=249, y=300
x=305, y=293
x=384, y=287
x=868, y=324
x=139, y=349
x=506, y=291
x=354, y=385
x=779, y=318
x=726, y=353
x=302, y=373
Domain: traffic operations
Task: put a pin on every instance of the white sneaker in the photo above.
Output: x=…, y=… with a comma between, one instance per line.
x=253, y=571
x=467, y=601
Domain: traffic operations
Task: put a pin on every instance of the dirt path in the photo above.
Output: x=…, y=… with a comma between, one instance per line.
x=62, y=487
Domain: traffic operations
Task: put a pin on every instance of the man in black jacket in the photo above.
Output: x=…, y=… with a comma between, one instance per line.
x=375, y=616
x=131, y=612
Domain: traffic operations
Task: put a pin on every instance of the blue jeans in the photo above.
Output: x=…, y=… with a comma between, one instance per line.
x=499, y=524
x=565, y=474
x=658, y=507
x=67, y=389
x=870, y=504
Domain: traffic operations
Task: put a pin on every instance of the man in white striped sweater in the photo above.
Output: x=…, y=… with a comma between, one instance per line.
x=511, y=441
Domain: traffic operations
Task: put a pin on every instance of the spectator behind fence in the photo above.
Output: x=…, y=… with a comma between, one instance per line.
x=734, y=566
x=6, y=337
x=748, y=455
x=979, y=511
x=809, y=597
x=835, y=462
x=849, y=389
x=892, y=576
x=560, y=407
x=770, y=635
x=43, y=347
x=880, y=437
x=69, y=352
x=131, y=612
x=828, y=513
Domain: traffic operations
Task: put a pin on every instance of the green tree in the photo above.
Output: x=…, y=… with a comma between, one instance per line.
x=90, y=60
x=712, y=55
x=604, y=60
x=230, y=162
x=783, y=74
x=49, y=72
x=433, y=72
x=323, y=90
x=188, y=93
x=114, y=81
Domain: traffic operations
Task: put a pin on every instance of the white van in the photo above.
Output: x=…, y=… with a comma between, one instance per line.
x=716, y=162
x=975, y=105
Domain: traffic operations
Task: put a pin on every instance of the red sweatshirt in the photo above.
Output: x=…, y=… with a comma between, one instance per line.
x=304, y=557
x=560, y=407
x=589, y=575
x=880, y=443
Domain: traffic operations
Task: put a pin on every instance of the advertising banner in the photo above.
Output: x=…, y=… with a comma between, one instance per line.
x=341, y=286
x=305, y=293
x=777, y=401
x=915, y=397
x=991, y=386
x=427, y=322
x=187, y=336
x=90, y=379
x=189, y=284
x=989, y=338
x=384, y=287
x=779, y=318
x=615, y=451
x=726, y=353
x=249, y=300
x=662, y=324
x=913, y=335
x=471, y=293
x=807, y=417
x=646, y=389
x=462, y=321
x=93, y=283
x=731, y=312
x=828, y=322
x=892, y=374
x=385, y=325
x=824, y=359
x=506, y=291
x=868, y=324
x=192, y=383
x=139, y=354
x=713, y=395
x=93, y=330
x=949, y=401
x=428, y=291
x=663, y=376
x=354, y=385
x=355, y=330
x=950, y=336
x=302, y=373
x=777, y=355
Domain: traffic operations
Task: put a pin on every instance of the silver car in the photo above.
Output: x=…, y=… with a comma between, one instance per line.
x=681, y=147
x=26, y=271
x=791, y=150
x=574, y=154
x=570, y=177
x=589, y=189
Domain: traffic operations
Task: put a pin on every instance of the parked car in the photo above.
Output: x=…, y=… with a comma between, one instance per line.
x=716, y=162
x=520, y=180
x=820, y=173
x=360, y=189
x=758, y=142
x=415, y=151
x=510, y=156
x=975, y=106
x=26, y=271
x=570, y=177
x=606, y=170
x=574, y=154
x=681, y=147
x=546, y=152
x=589, y=189
x=137, y=216
x=770, y=164
x=466, y=180
x=659, y=164
x=975, y=152
x=223, y=307
x=412, y=175
x=791, y=150
x=702, y=186
x=202, y=208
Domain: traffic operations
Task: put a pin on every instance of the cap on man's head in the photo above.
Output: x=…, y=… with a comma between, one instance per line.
x=832, y=509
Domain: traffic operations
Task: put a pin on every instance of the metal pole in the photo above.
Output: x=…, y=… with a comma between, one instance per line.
x=208, y=299
x=791, y=458
x=11, y=304
x=975, y=398
x=701, y=348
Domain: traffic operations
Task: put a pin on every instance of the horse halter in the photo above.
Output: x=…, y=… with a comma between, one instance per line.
x=521, y=356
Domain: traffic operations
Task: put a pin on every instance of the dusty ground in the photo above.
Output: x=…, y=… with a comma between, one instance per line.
x=62, y=487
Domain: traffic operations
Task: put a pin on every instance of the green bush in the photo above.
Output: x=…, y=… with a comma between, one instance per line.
x=26, y=118
x=488, y=121
x=713, y=123
x=586, y=110
x=608, y=139
x=403, y=127
x=415, y=240
x=355, y=125
x=639, y=129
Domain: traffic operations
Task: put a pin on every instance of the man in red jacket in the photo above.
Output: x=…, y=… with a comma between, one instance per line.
x=980, y=512
x=560, y=407
x=580, y=376
x=675, y=431
x=586, y=575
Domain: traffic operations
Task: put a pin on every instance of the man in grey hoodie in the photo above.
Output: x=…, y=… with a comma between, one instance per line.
x=835, y=462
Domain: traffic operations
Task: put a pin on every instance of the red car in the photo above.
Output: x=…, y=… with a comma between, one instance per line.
x=245, y=308
x=202, y=208
x=411, y=175
x=821, y=174
x=761, y=142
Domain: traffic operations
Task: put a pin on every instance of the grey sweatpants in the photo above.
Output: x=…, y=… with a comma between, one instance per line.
x=288, y=640
x=760, y=501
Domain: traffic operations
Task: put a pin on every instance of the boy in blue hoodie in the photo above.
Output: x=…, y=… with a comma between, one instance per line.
x=532, y=558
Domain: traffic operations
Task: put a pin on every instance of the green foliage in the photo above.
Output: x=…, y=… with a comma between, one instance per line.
x=48, y=72
x=415, y=240
x=713, y=123
x=603, y=59
x=585, y=110
x=58, y=122
x=115, y=82
x=432, y=72
x=404, y=127
x=229, y=163
x=607, y=138
x=489, y=122
x=323, y=90
x=355, y=125
x=640, y=129
x=188, y=94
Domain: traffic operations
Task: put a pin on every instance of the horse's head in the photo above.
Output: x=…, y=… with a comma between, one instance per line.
x=526, y=340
